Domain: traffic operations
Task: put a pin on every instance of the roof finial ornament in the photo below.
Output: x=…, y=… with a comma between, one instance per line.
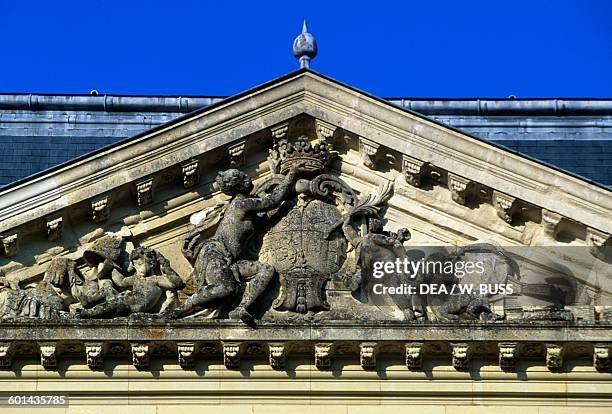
x=305, y=47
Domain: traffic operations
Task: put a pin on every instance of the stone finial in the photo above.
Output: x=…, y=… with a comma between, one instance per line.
x=277, y=353
x=367, y=355
x=186, y=353
x=323, y=355
x=305, y=47
x=231, y=355
x=507, y=355
x=94, y=355
x=414, y=355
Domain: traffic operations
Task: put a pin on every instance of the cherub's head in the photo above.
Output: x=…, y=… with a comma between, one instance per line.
x=144, y=261
x=403, y=235
x=233, y=181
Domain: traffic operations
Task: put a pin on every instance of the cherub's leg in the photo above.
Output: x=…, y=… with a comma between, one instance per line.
x=117, y=305
x=258, y=275
x=220, y=284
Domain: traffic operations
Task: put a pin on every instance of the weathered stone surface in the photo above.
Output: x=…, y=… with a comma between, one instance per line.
x=554, y=357
x=461, y=355
x=140, y=355
x=322, y=355
x=367, y=354
x=186, y=354
x=94, y=352
x=231, y=355
x=508, y=354
x=277, y=355
x=414, y=355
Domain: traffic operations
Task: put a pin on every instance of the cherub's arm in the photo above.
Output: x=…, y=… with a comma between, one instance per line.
x=123, y=282
x=389, y=241
x=168, y=281
x=270, y=202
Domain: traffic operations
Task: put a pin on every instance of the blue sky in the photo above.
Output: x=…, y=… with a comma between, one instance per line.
x=389, y=48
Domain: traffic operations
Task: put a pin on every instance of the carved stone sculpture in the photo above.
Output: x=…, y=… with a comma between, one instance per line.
x=414, y=355
x=186, y=354
x=447, y=307
x=142, y=292
x=218, y=261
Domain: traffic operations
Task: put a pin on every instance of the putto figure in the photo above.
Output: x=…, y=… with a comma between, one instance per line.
x=218, y=267
x=152, y=277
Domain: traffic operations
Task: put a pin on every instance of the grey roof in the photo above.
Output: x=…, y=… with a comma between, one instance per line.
x=41, y=131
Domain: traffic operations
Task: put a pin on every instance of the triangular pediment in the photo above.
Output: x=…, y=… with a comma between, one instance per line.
x=450, y=188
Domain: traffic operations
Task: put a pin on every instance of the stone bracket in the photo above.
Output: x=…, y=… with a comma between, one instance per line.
x=100, y=208
x=414, y=355
x=94, y=353
x=279, y=131
x=413, y=170
x=458, y=187
x=6, y=358
x=550, y=223
x=55, y=225
x=325, y=131
x=508, y=354
x=186, y=354
x=462, y=355
x=367, y=355
x=48, y=356
x=554, y=357
x=231, y=355
x=368, y=150
x=601, y=357
x=323, y=353
x=505, y=206
x=277, y=355
x=596, y=240
x=140, y=355
x=10, y=243
x=236, y=154
x=144, y=192
x=191, y=173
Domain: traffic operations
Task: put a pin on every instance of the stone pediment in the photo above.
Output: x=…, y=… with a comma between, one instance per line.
x=327, y=161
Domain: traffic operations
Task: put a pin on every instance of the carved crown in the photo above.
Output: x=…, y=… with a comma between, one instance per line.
x=315, y=155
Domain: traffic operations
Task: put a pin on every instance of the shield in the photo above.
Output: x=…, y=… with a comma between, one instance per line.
x=304, y=258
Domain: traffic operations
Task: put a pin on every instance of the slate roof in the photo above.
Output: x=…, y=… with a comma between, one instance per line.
x=41, y=131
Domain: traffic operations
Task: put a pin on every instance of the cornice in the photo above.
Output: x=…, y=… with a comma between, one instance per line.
x=322, y=98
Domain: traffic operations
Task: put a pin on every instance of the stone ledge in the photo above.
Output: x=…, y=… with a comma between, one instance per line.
x=547, y=343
